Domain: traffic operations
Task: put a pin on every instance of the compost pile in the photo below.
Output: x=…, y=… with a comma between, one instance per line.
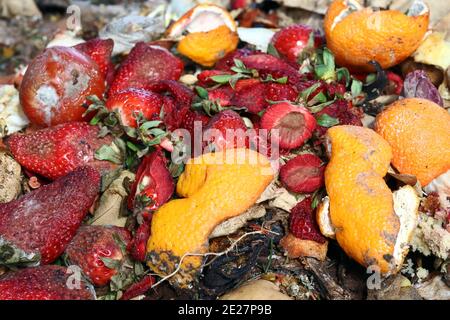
x=243, y=149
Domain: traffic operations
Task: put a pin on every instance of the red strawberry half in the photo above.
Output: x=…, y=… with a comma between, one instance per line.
x=204, y=77
x=295, y=124
x=280, y=92
x=251, y=96
x=227, y=61
x=138, y=247
x=302, y=222
x=146, y=63
x=53, y=152
x=267, y=64
x=43, y=221
x=100, y=51
x=130, y=102
x=222, y=95
x=292, y=40
x=43, y=283
x=153, y=185
x=303, y=174
x=225, y=130
x=91, y=244
x=177, y=101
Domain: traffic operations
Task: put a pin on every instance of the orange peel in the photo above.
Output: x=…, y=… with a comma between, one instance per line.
x=371, y=224
x=205, y=33
x=357, y=35
x=418, y=131
x=215, y=187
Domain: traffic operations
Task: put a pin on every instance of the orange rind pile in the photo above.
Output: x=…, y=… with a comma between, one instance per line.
x=358, y=35
x=206, y=33
x=372, y=224
x=214, y=187
x=418, y=131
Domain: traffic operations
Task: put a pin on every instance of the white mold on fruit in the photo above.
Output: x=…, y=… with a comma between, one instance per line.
x=48, y=99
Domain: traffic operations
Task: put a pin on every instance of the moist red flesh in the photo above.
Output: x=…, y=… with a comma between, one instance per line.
x=91, y=244
x=56, y=86
x=45, y=220
x=302, y=222
x=42, y=283
x=303, y=174
x=145, y=64
x=54, y=152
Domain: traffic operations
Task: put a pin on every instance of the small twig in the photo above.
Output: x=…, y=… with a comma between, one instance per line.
x=216, y=254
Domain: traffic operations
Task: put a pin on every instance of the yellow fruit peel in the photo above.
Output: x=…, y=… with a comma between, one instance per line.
x=216, y=187
x=362, y=210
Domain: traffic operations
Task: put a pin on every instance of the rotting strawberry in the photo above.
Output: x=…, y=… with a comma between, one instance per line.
x=303, y=174
x=250, y=96
x=56, y=86
x=145, y=64
x=100, y=51
x=131, y=102
x=342, y=110
x=222, y=95
x=38, y=226
x=227, y=61
x=153, y=185
x=177, y=101
x=295, y=124
x=54, y=152
x=302, y=222
x=225, y=130
x=138, y=288
x=93, y=245
x=292, y=40
x=138, y=246
x=267, y=64
x=280, y=92
x=43, y=283
x=190, y=120
x=205, y=77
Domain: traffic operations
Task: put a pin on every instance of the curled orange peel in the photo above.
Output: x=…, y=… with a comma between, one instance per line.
x=215, y=187
x=370, y=223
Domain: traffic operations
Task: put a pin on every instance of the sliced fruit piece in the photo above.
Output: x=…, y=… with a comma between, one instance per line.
x=138, y=246
x=43, y=283
x=302, y=222
x=145, y=64
x=292, y=40
x=250, y=96
x=177, y=101
x=295, y=124
x=227, y=61
x=56, y=85
x=153, y=185
x=280, y=92
x=355, y=34
x=225, y=130
x=129, y=103
x=94, y=244
x=303, y=174
x=267, y=64
x=205, y=33
x=37, y=227
x=210, y=196
x=54, y=152
x=372, y=225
